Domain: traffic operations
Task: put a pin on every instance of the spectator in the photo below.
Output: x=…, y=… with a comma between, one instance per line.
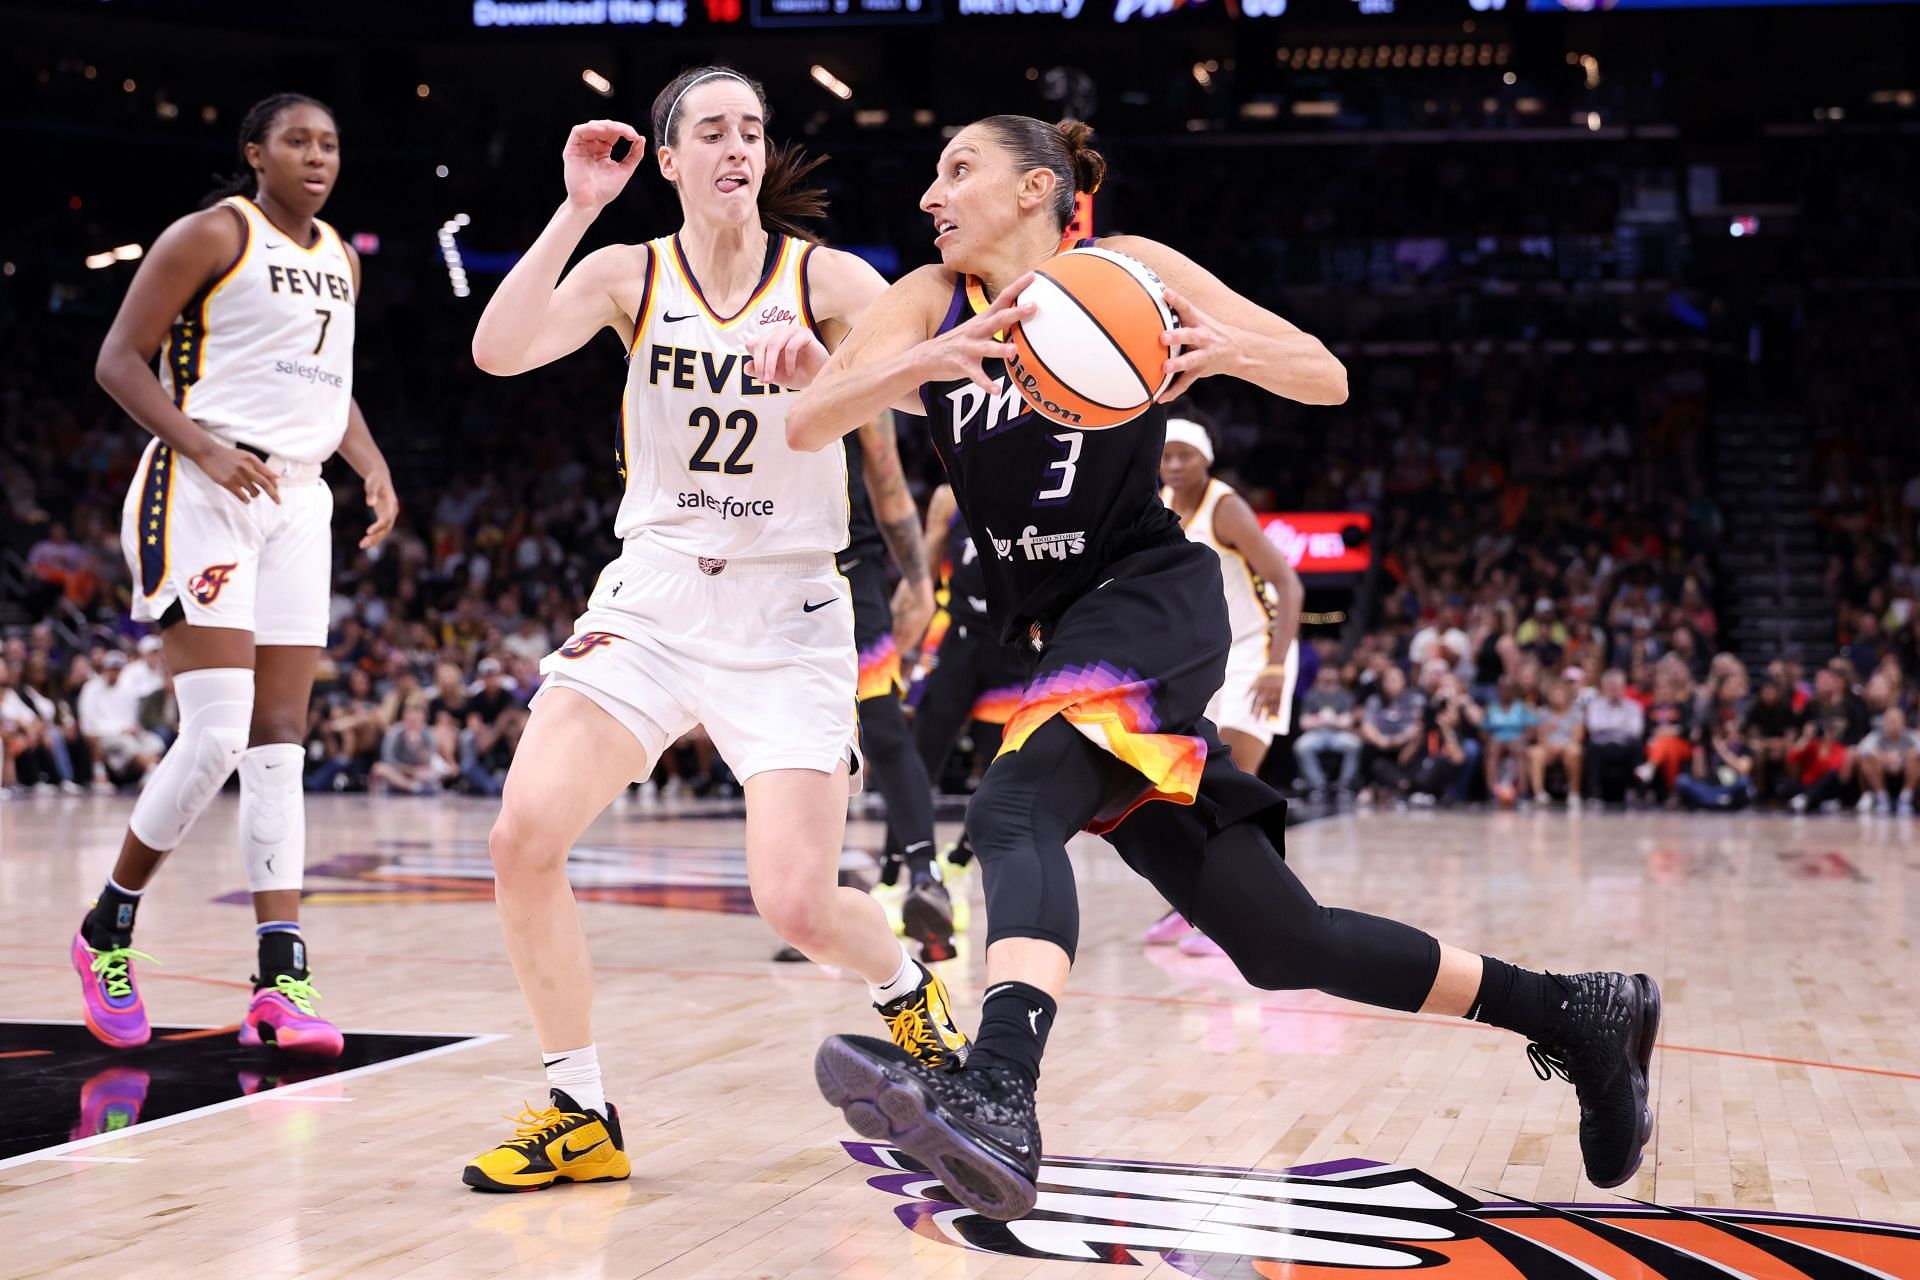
x=109, y=715
x=1888, y=761
x=408, y=762
x=1559, y=738
x=1770, y=728
x=1391, y=732
x=1821, y=757
x=70, y=759
x=1442, y=761
x=1721, y=777
x=1441, y=638
x=1615, y=730
x=1670, y=720
x=491, y=732
x=1326, y=724
x=347, y=728
x=25, y=758
x=1509, y=722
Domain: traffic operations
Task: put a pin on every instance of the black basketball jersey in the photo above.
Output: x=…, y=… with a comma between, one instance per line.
x=1050, y=507
x=966, y=580
x=863, y=531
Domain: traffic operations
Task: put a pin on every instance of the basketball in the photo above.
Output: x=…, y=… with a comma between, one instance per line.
x=1090, y=356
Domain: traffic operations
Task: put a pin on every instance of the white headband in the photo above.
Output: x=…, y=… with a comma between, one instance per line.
x=1191, y=434
x=666, y=139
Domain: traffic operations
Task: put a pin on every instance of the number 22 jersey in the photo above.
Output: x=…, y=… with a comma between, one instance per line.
x=703, y=443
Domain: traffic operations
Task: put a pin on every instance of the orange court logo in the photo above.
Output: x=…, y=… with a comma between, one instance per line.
x=1351, y=1219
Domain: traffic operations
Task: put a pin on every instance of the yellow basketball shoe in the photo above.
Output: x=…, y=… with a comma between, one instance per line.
x=922, y=1023
x=892, y=898
x=564, y=1143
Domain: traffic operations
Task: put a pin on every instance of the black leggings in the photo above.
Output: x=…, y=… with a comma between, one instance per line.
x=1217, y=861
x=896, y=771
x=969, y=658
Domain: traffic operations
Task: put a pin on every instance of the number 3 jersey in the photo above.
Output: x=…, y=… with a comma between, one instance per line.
x=1049, y=507
x=263, y=355
x=703, y=443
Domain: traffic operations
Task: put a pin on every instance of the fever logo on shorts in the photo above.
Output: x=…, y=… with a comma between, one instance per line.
x=585, y=643
x=205, y=585
x=1354, y=1218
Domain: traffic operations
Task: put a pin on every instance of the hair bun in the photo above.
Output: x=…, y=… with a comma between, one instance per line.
x=1089, y=166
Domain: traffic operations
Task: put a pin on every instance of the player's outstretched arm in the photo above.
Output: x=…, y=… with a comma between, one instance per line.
x=1223, y=333
x=535, y=317
x=890, y=355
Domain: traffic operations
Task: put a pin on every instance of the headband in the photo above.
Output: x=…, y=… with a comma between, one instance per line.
x=667, y=131
x=1191, y=434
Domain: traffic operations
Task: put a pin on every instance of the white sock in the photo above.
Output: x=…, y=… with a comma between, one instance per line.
x=576, y=1072
x=904, y=979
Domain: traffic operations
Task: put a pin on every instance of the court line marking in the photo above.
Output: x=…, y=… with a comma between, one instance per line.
x=1191, y=1002
x=95, y=1159
x=473, y=1040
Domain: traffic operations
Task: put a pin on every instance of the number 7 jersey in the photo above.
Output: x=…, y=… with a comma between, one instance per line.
x=703, y=443
x=263, y=354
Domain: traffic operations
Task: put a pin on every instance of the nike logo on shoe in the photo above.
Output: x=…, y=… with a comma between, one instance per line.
x=271, y=245
x=670, y=318
x=568, y=1153
x=809, y=607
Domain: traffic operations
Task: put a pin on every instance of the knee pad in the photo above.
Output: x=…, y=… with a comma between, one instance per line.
x=216, y=712
x=273, y=824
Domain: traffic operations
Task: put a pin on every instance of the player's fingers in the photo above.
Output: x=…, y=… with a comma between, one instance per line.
x=265, y=479
x=978, y=376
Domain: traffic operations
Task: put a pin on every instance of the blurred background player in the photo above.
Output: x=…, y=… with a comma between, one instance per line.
x=227, y=530
x=1263, y=594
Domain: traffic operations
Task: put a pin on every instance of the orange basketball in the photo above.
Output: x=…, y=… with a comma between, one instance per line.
x=1090, y=357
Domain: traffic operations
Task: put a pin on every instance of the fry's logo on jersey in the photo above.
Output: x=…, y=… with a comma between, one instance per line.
x=1040, y=546
x=1355, y=1218
x=205, y=585
x=585, y=643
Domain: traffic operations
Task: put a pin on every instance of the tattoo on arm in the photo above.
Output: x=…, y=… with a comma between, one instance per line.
x=903, y=541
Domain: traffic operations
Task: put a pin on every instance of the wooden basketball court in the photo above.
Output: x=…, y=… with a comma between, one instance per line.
x=1175, y=1097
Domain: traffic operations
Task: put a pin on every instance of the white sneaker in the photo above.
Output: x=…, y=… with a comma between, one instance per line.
x=1868, y=802
x=1906, y=803
x=1798, y=804
x=1573, y=802
x=1645, y=773
x=1883, y=803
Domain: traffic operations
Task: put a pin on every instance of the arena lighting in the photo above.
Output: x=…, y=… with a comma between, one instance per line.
x=1591, y=65
x=923, y=116
x=439, y=171
x=1201, y=76
x=1509, y=78
x=129, y=85
x=597, y=82
x=832, y=83
x=450, y=253
x=1324, y=107
x=124, y=253
x=1593, y=121
x=873, y=118
x=422, y=90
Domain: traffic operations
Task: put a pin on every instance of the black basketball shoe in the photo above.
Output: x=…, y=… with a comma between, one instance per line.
x=974, y=1128
x=1602, y=1043
x=927, y=914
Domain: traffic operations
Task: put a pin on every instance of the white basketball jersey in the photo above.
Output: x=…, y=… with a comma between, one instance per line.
x=703, y=444
x=1249, y=599
x=264, y=355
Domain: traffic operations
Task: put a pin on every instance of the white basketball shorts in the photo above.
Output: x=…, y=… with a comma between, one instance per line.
x=260, y=566
x=1232, y=706
x=758, y=650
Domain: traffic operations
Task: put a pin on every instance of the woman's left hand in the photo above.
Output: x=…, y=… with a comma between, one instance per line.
x=1206, y=347
x=385, y=505
x=1269, y=692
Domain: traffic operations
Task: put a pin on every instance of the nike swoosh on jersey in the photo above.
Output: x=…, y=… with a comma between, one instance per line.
x=809, y=607
x=670, y=318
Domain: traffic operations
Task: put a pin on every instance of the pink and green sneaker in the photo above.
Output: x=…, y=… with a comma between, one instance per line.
x=282, y=1016
x=112, y=1005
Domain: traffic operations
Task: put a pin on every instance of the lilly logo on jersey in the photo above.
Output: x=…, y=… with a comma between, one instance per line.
x=205, y=585
x=1356, y=1217
x=777, y=315
x=585, y=643
x=1035, y=545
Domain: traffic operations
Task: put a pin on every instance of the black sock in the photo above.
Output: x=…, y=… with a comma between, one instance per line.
x=281, y=951
x=1516, y=999
x=962, y=851
x=110, y=923
x=1014, y=1021
x=920, y=868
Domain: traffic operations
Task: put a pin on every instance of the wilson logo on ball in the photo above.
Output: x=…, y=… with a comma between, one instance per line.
x=1090, y=355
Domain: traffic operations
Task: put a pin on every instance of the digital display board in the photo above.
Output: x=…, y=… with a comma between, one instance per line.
x=844, y=13
x=1322, y=541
